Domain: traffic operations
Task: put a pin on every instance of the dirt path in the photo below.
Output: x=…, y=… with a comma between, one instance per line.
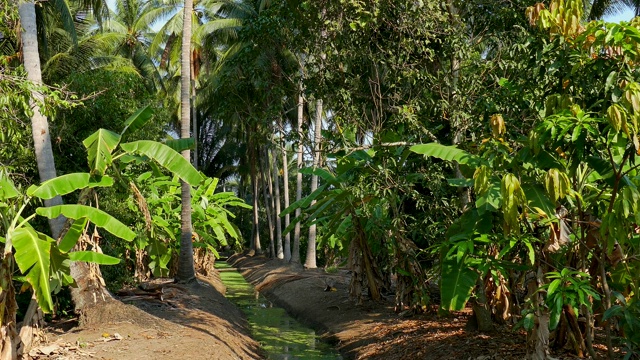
x=189, y=322
x=374, y=330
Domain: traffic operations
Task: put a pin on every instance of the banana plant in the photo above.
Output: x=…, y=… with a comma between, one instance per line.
x=42, y=261
x=211, y=215
x=211, y=218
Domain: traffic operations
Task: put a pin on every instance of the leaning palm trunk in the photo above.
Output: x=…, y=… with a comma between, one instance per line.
x=46, y=167
x=39, y=123
x=186, y=270
x=295, y=256
x=310, y=262
x=276, y=179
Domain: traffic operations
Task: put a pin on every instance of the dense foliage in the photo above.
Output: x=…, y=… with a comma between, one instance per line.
x=479, y=153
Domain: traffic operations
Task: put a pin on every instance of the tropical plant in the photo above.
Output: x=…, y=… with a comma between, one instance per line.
x=43, y=262
x=569, y=187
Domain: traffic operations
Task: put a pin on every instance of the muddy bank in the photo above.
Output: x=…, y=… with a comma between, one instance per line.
x=192, y=321
x=374, y=330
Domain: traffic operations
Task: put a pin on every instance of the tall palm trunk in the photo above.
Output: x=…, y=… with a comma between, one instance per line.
x=295, y=256
x=186, y=271
x=194, y=112
x=46, y=170
x=255, y=238
x=285, y=180
x=310, y=262
x=194, y=116
x=39, y=124
x=276, y=180
x=264, y=174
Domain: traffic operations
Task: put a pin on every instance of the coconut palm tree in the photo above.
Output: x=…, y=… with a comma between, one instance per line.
x=128, y=29
x=250, y=81
x=186, y=271
x=599, y=8
x=209, y=31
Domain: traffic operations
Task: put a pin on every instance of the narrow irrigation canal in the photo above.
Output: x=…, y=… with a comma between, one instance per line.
x=279, y=334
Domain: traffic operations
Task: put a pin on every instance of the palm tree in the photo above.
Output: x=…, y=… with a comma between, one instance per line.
x=129, y=31
x=295, y=253
x=599, y=8
x=186, y=271
x=43, y=151
x=285, y=188
x=248, y=81
x=310, y=262
x=39, y=123
x=276, y=180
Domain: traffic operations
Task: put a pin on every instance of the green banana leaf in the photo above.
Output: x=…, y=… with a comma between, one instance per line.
x=166, y=157
x=100, y=146
x=33, y=258
x=60, y=270
x=457, y=283
x=93, y=257
x=448, y=153
x=66, y=184
x=181, y=144
x=137, y=120
x=71, y=237
x=7, y=189
x=96, y=216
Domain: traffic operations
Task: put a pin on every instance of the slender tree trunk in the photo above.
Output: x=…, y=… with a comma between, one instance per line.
x=46, y=170
x=264, y=177
x=39, y=123
x=254, y=183
x=271, y=202
x=310, y=262
x=285, y=180
x=276, y=179
x=186, y=271
x=194, y=115
x=295, y=256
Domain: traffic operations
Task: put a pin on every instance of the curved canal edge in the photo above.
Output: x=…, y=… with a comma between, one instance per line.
x=281, y=336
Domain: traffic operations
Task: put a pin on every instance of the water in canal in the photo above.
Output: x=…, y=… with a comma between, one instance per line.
x=279, y=334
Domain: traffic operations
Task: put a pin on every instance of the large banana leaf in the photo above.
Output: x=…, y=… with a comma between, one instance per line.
x=66, y=184
x=448, y=153
x=93, y=257
x=100, y=145
x=96, y=216
x=32, y=256
x=137, y=120
x=181, y=144
x=458, y=280
x=7, y=189
x=60, y=271
x=71, y=237
x=210, y=184
x=166, y=157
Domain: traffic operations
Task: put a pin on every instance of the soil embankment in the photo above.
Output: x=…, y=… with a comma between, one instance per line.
x=174, y=321
x=373, y=330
